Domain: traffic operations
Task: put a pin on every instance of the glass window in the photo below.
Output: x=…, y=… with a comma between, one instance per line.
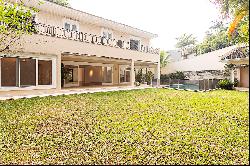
x=124, y=74
x=44, y=72
x=74, y=28
x=134, y=44
x=67, y=26
x=22, y=72
x=71, y=75
x=120, y=43
x=107, y=74
x=107, y=34
x=9, y=73
x=110, y=35
x=27, y=72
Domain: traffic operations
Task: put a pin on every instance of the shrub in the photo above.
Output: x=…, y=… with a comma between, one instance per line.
x=225, y=84
x=236, y=82
x=139, y=77
x=148, y=77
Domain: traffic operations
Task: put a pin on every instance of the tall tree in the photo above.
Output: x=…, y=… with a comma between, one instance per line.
x=239, y=10
x=164, y=58
x=186, y=43
x=16, y=20
x=185, y=40
x=61, y=2
x=216, y=38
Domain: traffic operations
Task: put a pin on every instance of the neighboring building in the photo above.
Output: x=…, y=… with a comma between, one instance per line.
x=179, y=55
x=205, y=66
x=93, y=51
x=187, y=51
x=174, y=55
x=240, y=58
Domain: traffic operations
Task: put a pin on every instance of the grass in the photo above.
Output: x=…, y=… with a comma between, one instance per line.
x=153, y=126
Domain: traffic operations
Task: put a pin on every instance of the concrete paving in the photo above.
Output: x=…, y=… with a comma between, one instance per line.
x=8, y=95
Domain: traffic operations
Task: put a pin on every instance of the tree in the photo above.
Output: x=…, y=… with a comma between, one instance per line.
x=216, y=38
x=164, y=58
x=185, y=40
x=239, y=9
x=16, y=20
x=186, y=43
x=61, y=2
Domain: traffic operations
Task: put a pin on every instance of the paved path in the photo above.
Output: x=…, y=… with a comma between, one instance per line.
x=36, y=93
x=242, y=89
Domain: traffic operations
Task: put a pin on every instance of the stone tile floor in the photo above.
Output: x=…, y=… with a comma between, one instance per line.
x=7, y=95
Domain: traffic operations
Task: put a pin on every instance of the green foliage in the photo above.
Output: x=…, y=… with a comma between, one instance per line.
x=16, y=20
x=225, y=84
x=139, y=77
x=241, y=34
x=236, y=82
x=228, y=68
x=149, y=127
x=177, y=75
x=64, y=74
x=216, y=38
x=235, y=9
x=164, y=58
x=185, y=40
x=61, y=2
x=148, y=77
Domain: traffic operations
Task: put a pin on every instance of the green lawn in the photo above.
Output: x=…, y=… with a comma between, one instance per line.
x=153, y=126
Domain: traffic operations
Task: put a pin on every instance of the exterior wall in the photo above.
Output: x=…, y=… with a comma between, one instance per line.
x=57, y=46
x=244, y=77
x=116, y=74
x=208, y=61
x=58, y=21
x=46, y=45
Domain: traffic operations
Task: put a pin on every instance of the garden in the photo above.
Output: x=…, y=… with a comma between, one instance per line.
x=151, y=126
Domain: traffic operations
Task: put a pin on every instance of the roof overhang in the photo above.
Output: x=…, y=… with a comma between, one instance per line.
x=81, y=16
x=238, y=55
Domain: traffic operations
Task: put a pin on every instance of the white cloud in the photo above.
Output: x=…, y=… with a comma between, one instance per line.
x=167, y=18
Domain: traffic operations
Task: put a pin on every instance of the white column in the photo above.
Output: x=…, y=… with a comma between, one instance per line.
x=158, y=73
x=58, y=71
x=132, y=73
x=232, y=75
x=238, y=75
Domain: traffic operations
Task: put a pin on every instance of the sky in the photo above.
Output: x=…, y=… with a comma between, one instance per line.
x=167, y=18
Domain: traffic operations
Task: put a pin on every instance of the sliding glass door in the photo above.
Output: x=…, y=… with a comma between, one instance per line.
x=9, y=72
x=125, y=74
x=44, y=72
x=25, y=72
x=107, y=75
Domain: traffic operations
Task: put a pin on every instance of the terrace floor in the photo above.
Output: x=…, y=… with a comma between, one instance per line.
x=6, y=95
x=241, y=89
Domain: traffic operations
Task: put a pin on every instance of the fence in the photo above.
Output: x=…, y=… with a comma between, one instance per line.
x=204, y=84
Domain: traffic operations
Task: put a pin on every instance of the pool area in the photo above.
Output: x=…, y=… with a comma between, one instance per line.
x=184, y=86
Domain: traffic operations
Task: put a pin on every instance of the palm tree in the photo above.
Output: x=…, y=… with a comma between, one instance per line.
x=164, y=58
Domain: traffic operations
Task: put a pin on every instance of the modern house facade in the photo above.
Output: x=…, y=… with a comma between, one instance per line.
x=90, y=49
